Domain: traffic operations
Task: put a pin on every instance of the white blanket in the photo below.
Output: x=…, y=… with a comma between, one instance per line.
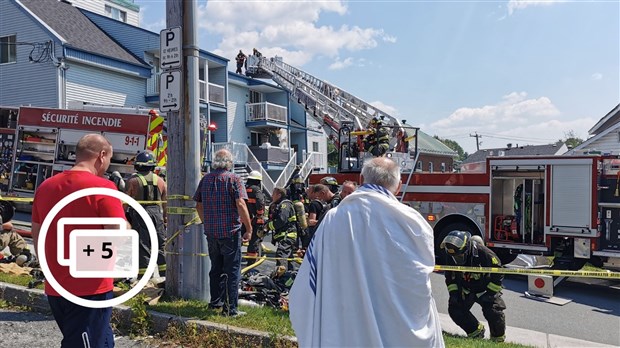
x=365, y=279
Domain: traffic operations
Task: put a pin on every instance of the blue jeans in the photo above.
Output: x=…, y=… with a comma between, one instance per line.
x=82, y=326
x=225, y=255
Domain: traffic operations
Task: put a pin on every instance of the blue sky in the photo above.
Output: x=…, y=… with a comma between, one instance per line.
x=520, y=72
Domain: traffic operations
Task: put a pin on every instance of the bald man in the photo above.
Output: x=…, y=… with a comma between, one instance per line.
x=80, y=326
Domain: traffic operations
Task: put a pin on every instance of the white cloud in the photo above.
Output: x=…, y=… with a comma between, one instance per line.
x=597, y=76
x=515, y=119
x=390, y=110
x=341, y=64
x=288, y=29
x=521, y=4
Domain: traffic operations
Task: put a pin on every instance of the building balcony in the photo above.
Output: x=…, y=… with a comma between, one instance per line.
x=211, y=93
x=266, y=114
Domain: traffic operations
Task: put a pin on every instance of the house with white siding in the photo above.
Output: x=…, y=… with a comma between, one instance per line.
x=604, y=136
x=125, y=11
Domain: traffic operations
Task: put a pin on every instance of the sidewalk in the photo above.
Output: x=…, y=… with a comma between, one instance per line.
x=36, y=299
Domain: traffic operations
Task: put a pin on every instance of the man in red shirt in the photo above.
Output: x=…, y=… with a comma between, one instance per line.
x=80, y=326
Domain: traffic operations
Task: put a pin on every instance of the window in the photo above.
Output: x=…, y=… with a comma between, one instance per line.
x=430, y=167
x=315, y=146
x=7, y=49
x=418, y=166
x=443, y=167
x=115, y=13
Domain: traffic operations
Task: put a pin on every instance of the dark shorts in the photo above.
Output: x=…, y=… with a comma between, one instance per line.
x=81, y=326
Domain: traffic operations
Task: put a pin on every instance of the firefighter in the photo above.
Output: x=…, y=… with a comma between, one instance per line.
x=378, y=141
x=20, y=253
x=256, y=208
x=332, y=183
x=466, y=288
x=283, y=224
x=144, y=185
x=296, y=192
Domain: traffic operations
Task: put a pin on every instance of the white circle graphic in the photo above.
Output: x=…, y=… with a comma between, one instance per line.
x=49, y=277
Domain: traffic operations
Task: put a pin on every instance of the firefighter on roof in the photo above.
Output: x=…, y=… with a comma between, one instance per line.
x=378, y=141
x=466, y=288
x=256, y=208
x=144, y=185
x=283, y=223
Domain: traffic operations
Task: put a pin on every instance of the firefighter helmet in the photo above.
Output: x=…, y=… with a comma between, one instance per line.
x=145, y=161
x=457, y=245
x=297, y=179
x=255, y=175
x=331, y=182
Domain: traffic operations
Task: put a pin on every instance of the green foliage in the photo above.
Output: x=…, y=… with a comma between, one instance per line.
x=571, y=139
x=332, y=154
x=454, y=146
x=140, y=319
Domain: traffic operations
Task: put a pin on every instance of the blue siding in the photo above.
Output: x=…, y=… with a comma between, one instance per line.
x=136, y=40
x=24, y=82
x=279, y=98
x=298, y=113
x=105, y=62
x=218, y=76
x=91, y=84
x=237, y=98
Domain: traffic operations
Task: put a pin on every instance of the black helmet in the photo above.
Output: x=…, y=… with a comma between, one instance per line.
x=331, y=182
x=145, y=161
x=457, y=245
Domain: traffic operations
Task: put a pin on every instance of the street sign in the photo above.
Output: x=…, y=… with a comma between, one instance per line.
x=170, y=54
x=170, y=91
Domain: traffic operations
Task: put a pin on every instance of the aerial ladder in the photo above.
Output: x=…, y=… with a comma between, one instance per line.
x=342, y=115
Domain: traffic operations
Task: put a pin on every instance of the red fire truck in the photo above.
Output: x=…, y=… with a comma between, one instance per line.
x=44, y=139
x=562, y=206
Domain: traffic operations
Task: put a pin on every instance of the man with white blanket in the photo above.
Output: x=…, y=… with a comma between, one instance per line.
x=365, y=279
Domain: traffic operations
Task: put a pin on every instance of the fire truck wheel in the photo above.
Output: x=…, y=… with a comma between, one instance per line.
x=505, y=256
x=443, y=232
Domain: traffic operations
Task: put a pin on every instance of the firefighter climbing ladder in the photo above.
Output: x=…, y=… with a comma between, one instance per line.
x=329, y=104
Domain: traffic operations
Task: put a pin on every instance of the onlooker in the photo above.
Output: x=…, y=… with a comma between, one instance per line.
x=283, y=223
x=342, y=298
x=466, y=288
x=80, y=326
x=220, y=202
x=144, y=185
x=348, y=187
x=240, y=58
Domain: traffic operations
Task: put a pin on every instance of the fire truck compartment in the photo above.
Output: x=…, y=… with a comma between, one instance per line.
x=571, y=200
x=610, y=226
x=517, y=206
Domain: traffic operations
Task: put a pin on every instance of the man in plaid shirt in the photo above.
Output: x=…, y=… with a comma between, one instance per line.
x=220, y=202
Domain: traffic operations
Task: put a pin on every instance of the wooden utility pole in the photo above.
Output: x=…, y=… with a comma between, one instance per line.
x=477, y=136
x=187, y=271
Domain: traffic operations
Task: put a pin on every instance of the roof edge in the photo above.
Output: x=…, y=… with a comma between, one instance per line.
x=41, y=22
x=604, y=119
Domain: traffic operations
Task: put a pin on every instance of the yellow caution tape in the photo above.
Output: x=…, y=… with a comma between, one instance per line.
x=195, y=220
x=522, y=271
x=179, y=197
x=186, y=254
x=17, y=199
x=180, y=211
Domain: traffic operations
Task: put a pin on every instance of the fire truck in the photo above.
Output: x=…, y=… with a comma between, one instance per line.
x=42, y=141
x=562, y=206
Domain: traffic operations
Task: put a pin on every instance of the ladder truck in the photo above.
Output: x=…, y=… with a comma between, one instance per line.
x=343, y=116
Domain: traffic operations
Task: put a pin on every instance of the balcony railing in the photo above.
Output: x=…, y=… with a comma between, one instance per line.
x=312, y=161
x=265, y=112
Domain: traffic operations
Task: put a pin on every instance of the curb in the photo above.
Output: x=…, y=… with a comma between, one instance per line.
x=36, y=299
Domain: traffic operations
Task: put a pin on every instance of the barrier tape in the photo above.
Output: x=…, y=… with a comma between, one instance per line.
x=254, y=265
x=179, y=197
x=195, y=220
x=30, y=200
x=180, y=211
x=521, y=271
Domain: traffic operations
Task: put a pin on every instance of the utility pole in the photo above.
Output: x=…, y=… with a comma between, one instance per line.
x=187, y=271
x=476, y=135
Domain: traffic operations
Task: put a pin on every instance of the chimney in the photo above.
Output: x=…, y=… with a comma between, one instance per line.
x=509, y=145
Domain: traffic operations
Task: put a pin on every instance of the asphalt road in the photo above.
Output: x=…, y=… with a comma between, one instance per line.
x=28, y=329
x=593, y=315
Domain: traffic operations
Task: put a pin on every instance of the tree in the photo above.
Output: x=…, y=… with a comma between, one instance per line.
x=454, y=146
x=571, y=139
x=332, y=154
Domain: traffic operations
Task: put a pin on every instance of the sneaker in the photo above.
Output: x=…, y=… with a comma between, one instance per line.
x=234, y=315
x=498, y=338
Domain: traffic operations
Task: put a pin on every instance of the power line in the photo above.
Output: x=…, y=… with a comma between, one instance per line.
x=477, y=136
